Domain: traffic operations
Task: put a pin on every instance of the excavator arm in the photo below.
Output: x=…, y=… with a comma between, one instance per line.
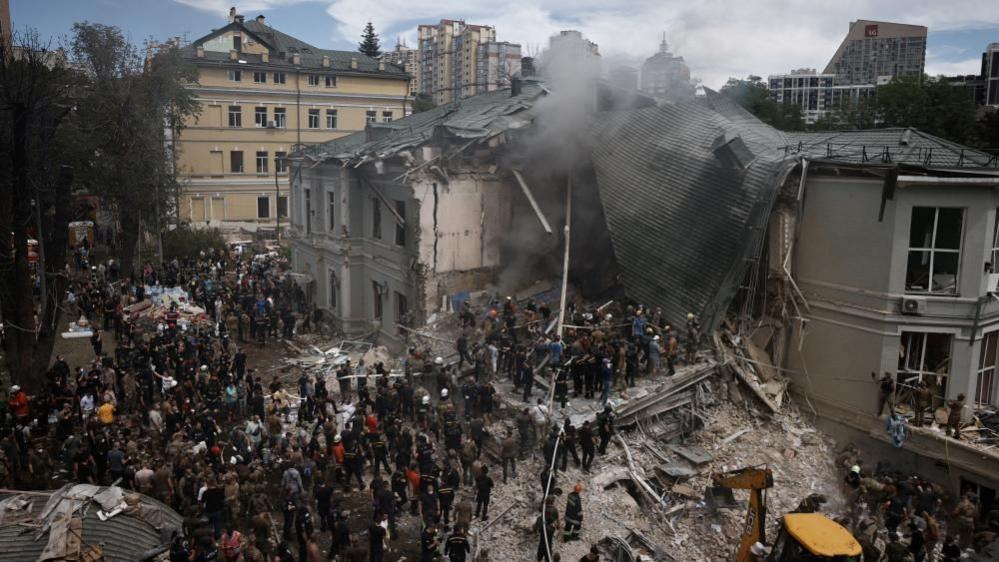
x=756, y=480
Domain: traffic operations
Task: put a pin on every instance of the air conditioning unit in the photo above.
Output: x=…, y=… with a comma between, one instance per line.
x=913, y=305
x=271, y=125
x=993, y=283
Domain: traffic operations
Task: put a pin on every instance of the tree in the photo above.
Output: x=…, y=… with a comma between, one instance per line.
x=988, y=131
x=752, y=94
x=423, y=102
x=370, y=45
x=35, y=98
x=119, y=122
x=932, y=106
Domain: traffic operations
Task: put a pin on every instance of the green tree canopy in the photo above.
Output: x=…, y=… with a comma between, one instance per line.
x=370, y=45
x=423, y=102
x=753, y=95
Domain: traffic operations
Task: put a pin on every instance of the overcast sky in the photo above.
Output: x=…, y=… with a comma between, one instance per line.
x=718, y=38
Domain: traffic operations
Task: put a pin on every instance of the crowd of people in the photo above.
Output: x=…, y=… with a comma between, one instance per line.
x=287, y=466
x=262, y=467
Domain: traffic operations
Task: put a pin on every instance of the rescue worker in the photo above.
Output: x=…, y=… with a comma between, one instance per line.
x=573, y=514
x=483, y=490
x=457, y=547
x=605, y=426
x=922, y=398
x=886, y=393
x=963, y=522
x=954, y=417
x=587, y=445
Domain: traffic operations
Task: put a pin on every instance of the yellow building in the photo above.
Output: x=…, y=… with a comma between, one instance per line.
x=263, y=94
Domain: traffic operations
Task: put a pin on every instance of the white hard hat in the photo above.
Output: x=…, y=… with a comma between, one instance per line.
x=15, y=388
x=439, y=360
x=204, y=367
x=443, y=393
x=855, y=468
x=609, y=317
x=426, y=400
x=758, y=549
x=336, y=438
x=690, y=316
x=655, y=338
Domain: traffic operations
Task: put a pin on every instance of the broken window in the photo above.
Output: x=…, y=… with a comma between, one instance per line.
x=925, y=357
x=934, y=250
x=331, y=202
x=331, y=303
x=985, y=383
x=376, y=299
x=400, y=229
x=401, y=309
x=994, y=259
x=376, y=219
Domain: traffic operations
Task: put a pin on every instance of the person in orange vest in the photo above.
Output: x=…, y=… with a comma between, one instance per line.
x=18, y=404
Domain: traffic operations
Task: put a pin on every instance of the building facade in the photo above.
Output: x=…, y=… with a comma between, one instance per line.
x=666, y=76
x=990, y=74
x=263, y=94
x=874, y=50
x=409, y=60
x=497, y=64
x=459, y=60
x=816, y=94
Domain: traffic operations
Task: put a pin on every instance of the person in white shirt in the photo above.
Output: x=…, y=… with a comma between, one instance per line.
x=86, y=406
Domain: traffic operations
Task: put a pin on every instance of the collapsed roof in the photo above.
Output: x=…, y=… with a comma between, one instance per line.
x=63, y=524
x=686, y=188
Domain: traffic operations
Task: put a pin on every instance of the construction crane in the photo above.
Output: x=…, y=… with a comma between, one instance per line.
x=803, y=537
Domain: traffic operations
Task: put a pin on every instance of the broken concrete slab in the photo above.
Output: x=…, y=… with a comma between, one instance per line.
x=695, y=455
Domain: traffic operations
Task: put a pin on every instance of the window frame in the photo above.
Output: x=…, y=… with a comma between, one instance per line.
x=401, y=309
x=387, y=116
x=267, y=206
x=313, y=79
x=985, y=375
x=400, y=229
x=256, y=117
x=907, y=374
x=370, y=116
x=331, y=294
x=232, y=162
x=235, y=75
x=282, y=206
x=995, y=242
x=933, y=251
x=262, y=161
x=376, y=219
x=281, y=117
x=313, y=119
x=332, y=118
x=377, y=308
x=235, y=117
x=330, y=81
x=279, y=78
x=281, y=162
x=331, y=211
x=259, y=77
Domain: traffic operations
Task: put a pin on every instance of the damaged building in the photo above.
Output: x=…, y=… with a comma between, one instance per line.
x=835, y=255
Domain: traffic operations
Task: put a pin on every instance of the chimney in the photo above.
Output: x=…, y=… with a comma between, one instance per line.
x=239, y=18
x=381, y=65
x=233, y=54
x=200, y=51
x=296, y=58
x=515, y=85
x=353, y=62
x=265, y=57
x=232, y=14
x=326, y=61
x=260, y=19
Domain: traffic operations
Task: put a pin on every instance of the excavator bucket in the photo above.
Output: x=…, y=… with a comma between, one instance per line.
x=718, y=497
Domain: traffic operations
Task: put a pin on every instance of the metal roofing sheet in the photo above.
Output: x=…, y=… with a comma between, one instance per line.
x=682, y=222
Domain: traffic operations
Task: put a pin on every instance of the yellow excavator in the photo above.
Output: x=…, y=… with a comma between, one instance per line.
x=803, y=537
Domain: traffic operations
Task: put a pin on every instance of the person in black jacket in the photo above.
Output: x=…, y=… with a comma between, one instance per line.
x=457, y=545
x=429, y=544
x=483, y=489
x=376, y=539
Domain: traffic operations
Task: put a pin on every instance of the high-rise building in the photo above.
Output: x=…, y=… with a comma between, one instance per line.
x=264, y=94
x=569, y=54
x=497, y=62
x=624, y=77
x=409, y=60
x=871, y=54
x=874, y=50
x=5, y=28
x=815, y=93
x=666, y=76
x=990, y=73
x=449, y=60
